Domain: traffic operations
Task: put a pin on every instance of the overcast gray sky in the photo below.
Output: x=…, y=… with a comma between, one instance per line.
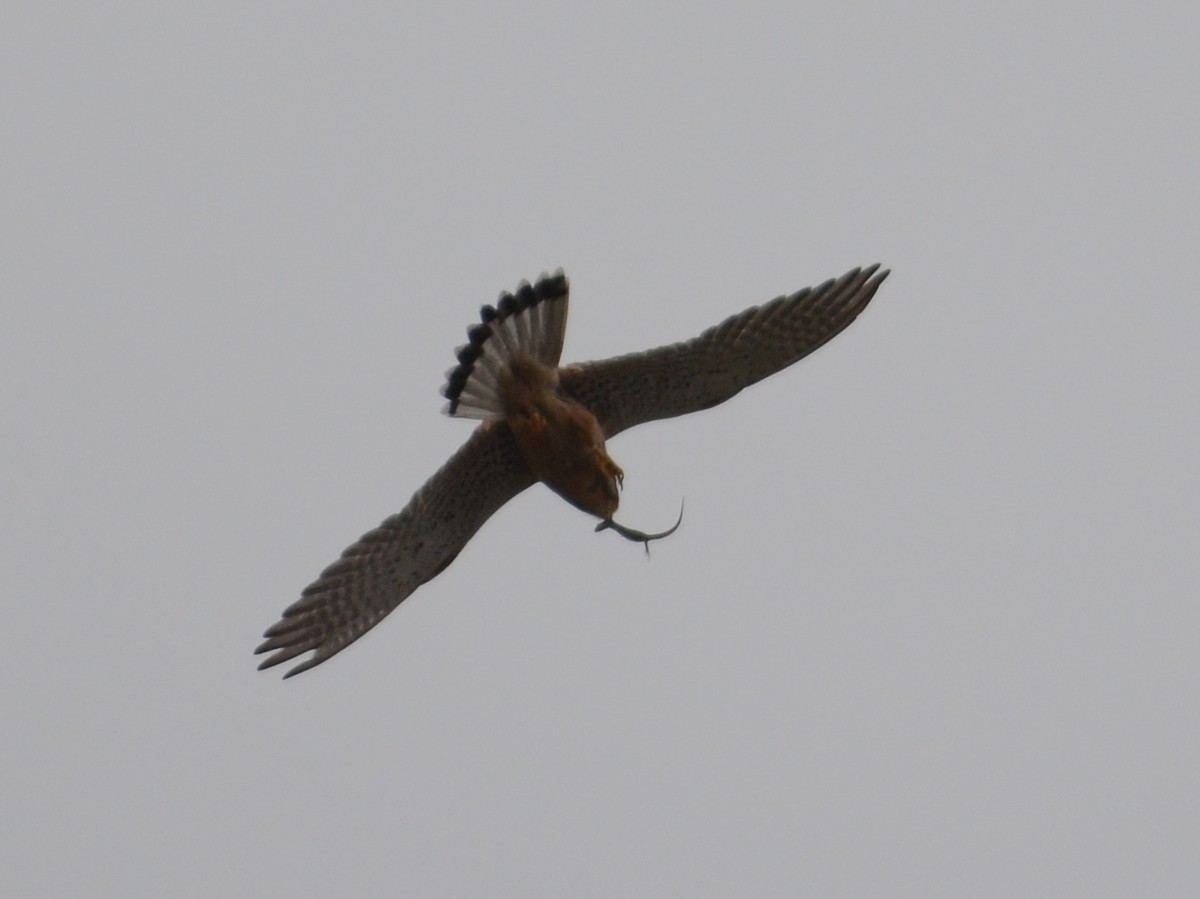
x=929, y=627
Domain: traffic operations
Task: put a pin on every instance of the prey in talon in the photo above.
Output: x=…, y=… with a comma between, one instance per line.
x=548, y=422
x=640, y=536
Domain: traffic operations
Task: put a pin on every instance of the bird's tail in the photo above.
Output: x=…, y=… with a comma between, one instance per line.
x=530, y=322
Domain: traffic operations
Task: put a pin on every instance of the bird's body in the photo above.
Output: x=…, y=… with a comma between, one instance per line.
x=543, y=422
x=559, y=439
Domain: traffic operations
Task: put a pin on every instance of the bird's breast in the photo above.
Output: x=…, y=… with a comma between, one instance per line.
x=563, y=445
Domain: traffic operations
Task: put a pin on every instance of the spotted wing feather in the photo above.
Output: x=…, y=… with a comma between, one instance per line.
x=700, y=373
x=387, y=564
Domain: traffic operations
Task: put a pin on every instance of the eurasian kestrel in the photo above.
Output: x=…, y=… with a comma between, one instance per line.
x=542, y=422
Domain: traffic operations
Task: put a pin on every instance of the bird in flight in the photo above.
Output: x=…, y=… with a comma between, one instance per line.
x=546, y=422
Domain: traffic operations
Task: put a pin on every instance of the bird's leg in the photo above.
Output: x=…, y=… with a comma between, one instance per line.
x=611, y=469
x=640, y=536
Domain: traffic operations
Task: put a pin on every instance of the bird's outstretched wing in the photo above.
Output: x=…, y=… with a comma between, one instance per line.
x=387, y=564
x=700, y=373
